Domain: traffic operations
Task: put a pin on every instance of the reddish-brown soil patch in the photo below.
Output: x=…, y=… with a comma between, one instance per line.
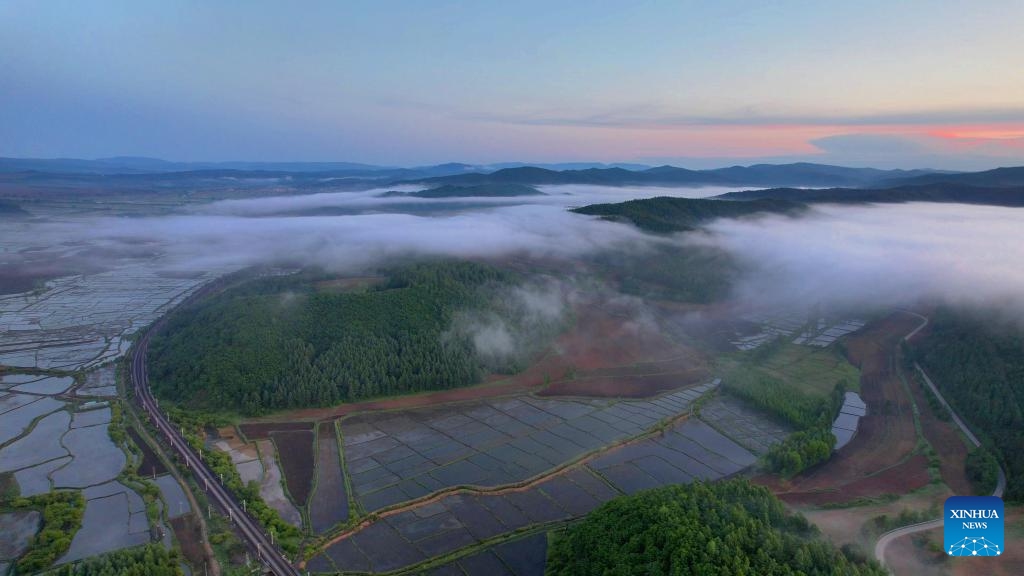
x=946, y=440
x=921, y=553
x=607, y=342
x=878, y=460
x=917, y=554
x=295, y=451
x=349, y=284
x=899, y=479
x=261, y=430
x=1011, y=563
x=190, y=537
x=626, y=386
x=151, y=464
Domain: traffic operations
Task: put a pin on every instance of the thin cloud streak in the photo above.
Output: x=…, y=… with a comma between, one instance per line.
x=654, y=119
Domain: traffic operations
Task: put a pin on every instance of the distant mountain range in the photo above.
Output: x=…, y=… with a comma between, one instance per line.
x=938, y=192
x=135, y=175
x=800, y=174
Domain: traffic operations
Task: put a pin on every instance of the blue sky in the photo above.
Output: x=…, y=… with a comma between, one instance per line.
x=921, y=83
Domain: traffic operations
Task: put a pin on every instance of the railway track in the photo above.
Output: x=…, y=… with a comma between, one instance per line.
x=251, y=532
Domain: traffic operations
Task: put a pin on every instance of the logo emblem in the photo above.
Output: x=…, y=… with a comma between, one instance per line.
x=973, y=526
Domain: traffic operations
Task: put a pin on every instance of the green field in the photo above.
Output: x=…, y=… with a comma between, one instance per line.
x=800, y=385
x=810, y=371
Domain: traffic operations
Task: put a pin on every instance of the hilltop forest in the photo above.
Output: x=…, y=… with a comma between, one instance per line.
x=296, y=341
x=666, y=214
x=729, y=528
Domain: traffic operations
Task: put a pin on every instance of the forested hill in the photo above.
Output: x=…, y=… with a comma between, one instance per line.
x=729, y=527
x=307, y=340
x=942, y=192
x=978, y=364
x=669, y=214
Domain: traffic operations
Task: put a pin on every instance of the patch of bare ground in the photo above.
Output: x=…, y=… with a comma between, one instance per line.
x=880, y=459
x=922, y=553
x=609, y=351
x=190, y=537
x=945, y=438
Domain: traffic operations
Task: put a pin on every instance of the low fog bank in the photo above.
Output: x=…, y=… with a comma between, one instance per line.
x=342, y=244
x=369, y=201
x=520, y=321
x=879, y=256
x=853, y=257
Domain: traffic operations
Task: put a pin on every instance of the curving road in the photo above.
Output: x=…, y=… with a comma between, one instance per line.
x=885, y=539
x=250, y=531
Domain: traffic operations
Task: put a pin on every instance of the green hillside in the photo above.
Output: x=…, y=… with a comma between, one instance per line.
x=978, y=365
x=667, y=214
x=729, y=528
x=286, y=342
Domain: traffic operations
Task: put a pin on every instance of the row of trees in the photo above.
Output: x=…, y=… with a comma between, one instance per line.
x=812, y=416
x=287, y=536
x=149, y=560
x=728, y=528
x=977, y=361
x=279, y=343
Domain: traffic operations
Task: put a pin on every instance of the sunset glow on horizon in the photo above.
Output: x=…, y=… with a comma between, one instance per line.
x=407, y=83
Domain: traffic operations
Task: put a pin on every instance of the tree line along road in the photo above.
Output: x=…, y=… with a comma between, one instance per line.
x=885, y=539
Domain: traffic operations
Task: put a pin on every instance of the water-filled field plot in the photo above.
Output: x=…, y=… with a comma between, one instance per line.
x=295, y=452
x=459, y=520
x=82, y=321
x=399, y=456
x=258, y=462
x=46, y=386
x=39, y=445
x=173, y=495
x=523, y=557
x=101, y=381
x=328, y=505
x=16, y=531
x=688, y=450
x=743, y=424
x=96, y=459
x=36, y=479
x=95, y=417
x=115, y=518
x=17, y=420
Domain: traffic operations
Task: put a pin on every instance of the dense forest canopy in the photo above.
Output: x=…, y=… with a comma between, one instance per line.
x=667, y=214
x=978, y=364
x=296, y=341
x=729, y=528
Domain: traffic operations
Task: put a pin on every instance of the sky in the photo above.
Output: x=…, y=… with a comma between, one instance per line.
x=912, y=84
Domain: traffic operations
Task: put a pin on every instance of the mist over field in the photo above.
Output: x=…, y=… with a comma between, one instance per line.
x=879, y=255
x=836, y=255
